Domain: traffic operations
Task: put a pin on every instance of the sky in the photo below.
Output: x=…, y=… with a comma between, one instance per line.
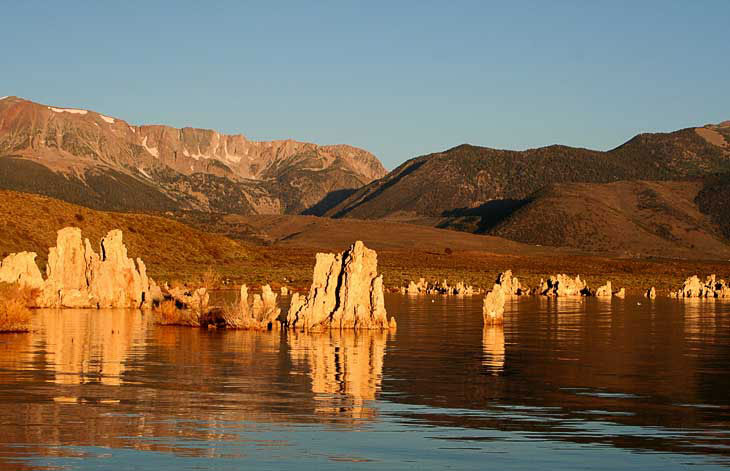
x=397, y=78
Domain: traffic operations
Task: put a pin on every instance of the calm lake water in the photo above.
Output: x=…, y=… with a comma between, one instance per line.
x=564, y=384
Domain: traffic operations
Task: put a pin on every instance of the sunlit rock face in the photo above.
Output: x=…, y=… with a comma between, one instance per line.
x=493, y=307
x=604, y=291
x=511, y=285
x=78, y=277
x=563, y=285
x=693, y=287
x=346, y=293
x=21, y=268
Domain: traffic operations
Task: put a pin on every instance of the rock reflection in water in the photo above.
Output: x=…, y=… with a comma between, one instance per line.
x=345, y=367
x=84, y=346
x=493, y=347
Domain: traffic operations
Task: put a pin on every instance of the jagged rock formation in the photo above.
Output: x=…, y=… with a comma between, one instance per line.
x=693, y=287
x=261, y=314
x=78, y=277
x=621, y=294
x=511, y=285
x=563, y=285
x=346, y=293
x=493, y=307
x=439, y=287
x=21, y=268
x=604, y=291
x=650, y=293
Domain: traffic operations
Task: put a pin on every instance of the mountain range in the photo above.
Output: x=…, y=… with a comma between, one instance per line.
x=663, y=194
x=85, y=157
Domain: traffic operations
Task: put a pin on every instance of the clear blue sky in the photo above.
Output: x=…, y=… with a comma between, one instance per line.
x=397, y=78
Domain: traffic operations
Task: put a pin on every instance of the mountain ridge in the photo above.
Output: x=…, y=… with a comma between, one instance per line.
x=285, y=175
x=468, y=176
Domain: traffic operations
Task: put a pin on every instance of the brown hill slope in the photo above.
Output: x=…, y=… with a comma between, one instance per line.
x=636, y=218
x=468, y=179
x=714, y=200
x=170, y=249
x=173, y=250
x=91, y=159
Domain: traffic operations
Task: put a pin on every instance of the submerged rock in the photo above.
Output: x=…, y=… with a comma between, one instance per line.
x=346, y=293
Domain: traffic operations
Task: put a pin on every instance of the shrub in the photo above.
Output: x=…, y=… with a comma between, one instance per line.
x=211, y=279
x=14, y=313
x=167, y=313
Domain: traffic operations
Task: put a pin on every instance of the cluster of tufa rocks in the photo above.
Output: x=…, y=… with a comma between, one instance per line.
x=346, y=293
x=565, y=286
x=439, y=287
x=261, y=313
x=693, y=287
x=78, y=277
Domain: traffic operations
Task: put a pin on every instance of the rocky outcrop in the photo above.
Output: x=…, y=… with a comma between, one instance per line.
x=439, y=287
x=511, y=285
x=21, y=268
x=493, y=307
x=693, y=287
x=604, y=291
x=564, y=286
x=346, y=293
x=621, y=294
x=78, y=277
x=650, y=293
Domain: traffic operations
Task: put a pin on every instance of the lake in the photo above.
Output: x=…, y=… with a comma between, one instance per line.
x=564, y=384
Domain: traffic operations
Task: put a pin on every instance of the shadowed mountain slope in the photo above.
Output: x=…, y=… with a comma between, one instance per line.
x=440, y=185
x=635, y=218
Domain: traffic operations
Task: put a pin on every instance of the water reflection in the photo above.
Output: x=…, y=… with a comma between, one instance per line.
x=493, y=347
x=84, y=346
x=604, y=377
x=345, y=367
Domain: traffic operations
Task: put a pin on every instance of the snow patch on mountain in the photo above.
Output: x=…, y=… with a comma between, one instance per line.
x=151, y=150
x=67, y=110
